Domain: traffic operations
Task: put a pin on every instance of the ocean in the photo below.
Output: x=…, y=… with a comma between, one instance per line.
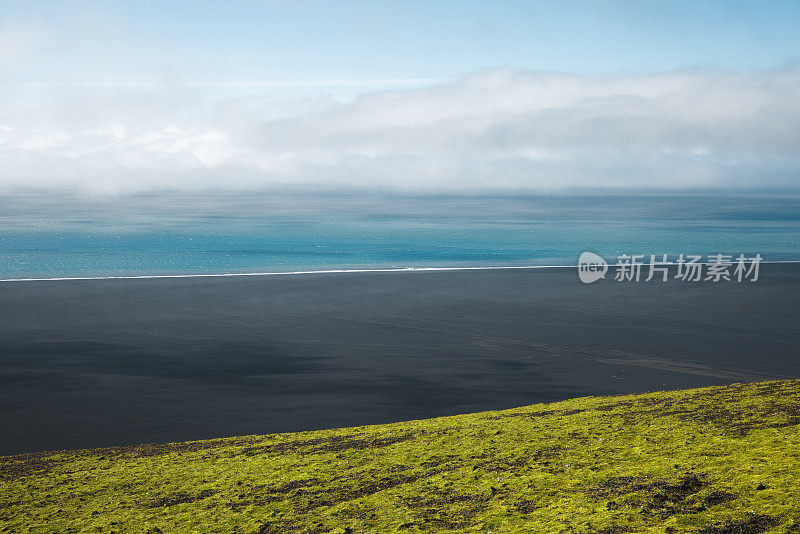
x=70, y=235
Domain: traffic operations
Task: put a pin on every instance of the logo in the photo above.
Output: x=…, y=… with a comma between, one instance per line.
x=591, y=267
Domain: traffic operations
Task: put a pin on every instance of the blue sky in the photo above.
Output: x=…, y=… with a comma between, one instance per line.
x=114, y=96
x=424, y=39
x=304, y=40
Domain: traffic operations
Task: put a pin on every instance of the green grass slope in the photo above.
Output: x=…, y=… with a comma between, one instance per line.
x=712, y=460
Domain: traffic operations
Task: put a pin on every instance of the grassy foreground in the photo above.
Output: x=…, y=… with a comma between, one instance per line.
x=711, y=460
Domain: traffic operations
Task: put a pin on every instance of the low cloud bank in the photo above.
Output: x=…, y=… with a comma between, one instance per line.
x=494, y=129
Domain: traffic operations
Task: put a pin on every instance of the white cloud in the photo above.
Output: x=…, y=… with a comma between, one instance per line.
x=491, y=129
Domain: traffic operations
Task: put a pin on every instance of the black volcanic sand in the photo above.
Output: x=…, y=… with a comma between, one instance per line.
x=110, y=362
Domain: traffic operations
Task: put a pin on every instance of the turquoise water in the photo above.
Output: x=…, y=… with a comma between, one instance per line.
x=178, y=233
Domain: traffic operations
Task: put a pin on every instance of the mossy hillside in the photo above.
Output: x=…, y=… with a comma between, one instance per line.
x=711, y=460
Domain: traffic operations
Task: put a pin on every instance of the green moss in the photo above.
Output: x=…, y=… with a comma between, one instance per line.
x=714, y=460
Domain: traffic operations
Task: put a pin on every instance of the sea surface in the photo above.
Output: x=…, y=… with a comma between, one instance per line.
x=70, y=235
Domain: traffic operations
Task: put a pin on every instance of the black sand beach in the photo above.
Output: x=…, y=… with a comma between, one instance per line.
x=108, y=362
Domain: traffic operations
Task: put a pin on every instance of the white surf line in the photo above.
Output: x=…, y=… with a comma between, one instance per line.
x=285, y=273
x=333, y=271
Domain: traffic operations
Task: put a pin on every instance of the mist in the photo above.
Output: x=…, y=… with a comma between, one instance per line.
x=492, y=129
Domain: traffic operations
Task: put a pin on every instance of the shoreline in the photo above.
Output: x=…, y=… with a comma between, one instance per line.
x=335, y=271
x=284, y=273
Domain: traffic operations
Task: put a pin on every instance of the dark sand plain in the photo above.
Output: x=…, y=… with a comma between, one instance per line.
x=90, y=363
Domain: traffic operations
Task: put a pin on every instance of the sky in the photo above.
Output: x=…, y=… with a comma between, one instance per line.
x=125, y=96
